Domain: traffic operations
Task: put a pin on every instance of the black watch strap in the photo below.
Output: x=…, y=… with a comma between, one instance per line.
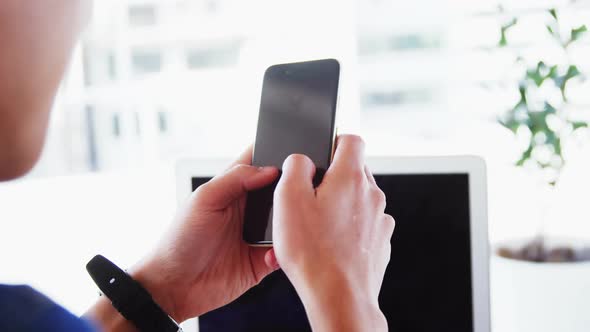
x=129, y=297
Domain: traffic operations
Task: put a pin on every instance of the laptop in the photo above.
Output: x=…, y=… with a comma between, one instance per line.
x=437, y=278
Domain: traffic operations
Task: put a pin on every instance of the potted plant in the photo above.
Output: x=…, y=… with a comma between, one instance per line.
x=543, y=283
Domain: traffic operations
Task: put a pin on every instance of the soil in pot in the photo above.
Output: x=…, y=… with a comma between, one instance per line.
x=540, y=250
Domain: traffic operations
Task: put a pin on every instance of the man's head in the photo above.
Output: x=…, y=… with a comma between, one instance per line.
x=22, y=132
x=36, y=40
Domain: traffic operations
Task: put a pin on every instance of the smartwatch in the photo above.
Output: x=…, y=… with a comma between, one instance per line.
x=129, y=297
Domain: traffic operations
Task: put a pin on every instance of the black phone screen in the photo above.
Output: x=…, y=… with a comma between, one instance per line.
x=297, y=114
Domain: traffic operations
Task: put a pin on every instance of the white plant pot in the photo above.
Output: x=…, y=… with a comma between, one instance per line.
x=539, y=297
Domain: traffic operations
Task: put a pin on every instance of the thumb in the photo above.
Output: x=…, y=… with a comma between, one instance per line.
x=298, y=172
x=227, y=187
x=264, y=262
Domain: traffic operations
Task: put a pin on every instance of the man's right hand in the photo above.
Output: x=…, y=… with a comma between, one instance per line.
x=333, y=241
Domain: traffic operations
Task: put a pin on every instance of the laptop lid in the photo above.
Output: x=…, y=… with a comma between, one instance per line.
x=437, y=279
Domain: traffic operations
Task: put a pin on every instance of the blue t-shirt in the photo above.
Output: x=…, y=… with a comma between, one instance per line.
x=23, y=309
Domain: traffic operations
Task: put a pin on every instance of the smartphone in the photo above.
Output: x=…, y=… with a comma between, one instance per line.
x=297, y=115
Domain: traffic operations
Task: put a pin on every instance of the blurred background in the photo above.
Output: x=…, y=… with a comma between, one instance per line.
x=155, y=81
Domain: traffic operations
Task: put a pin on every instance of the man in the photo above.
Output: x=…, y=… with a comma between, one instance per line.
x=202, y=263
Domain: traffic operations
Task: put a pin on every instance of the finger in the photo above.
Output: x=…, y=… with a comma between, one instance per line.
x=370, y=176
x=389, y=225
x=234, y=184
x=271, y=260
x=378, y=197
x=298, y=172
x=263, y=262
x=349, y=155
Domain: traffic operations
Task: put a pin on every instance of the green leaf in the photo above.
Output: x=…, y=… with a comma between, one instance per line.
x=557, y=146
x=549, y=109
x=578, y=32
x=535, y=77
x=543, y=165
x=511, y=124
x=579, y=124
x=526, y=155
x=554, y=141
x=552, y=72
x=561, y=82
x=553, y=29
x=522, y=93
x=538, y=74
x=553, y=13
x=537, y=122
x=503, y=30
x=572, y=71
x=512, y=119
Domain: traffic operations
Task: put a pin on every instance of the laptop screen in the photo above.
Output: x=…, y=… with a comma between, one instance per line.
x=427, y=285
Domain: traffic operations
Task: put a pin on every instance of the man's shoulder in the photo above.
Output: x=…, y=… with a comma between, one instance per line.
x=22, y=308
x=13, y=297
